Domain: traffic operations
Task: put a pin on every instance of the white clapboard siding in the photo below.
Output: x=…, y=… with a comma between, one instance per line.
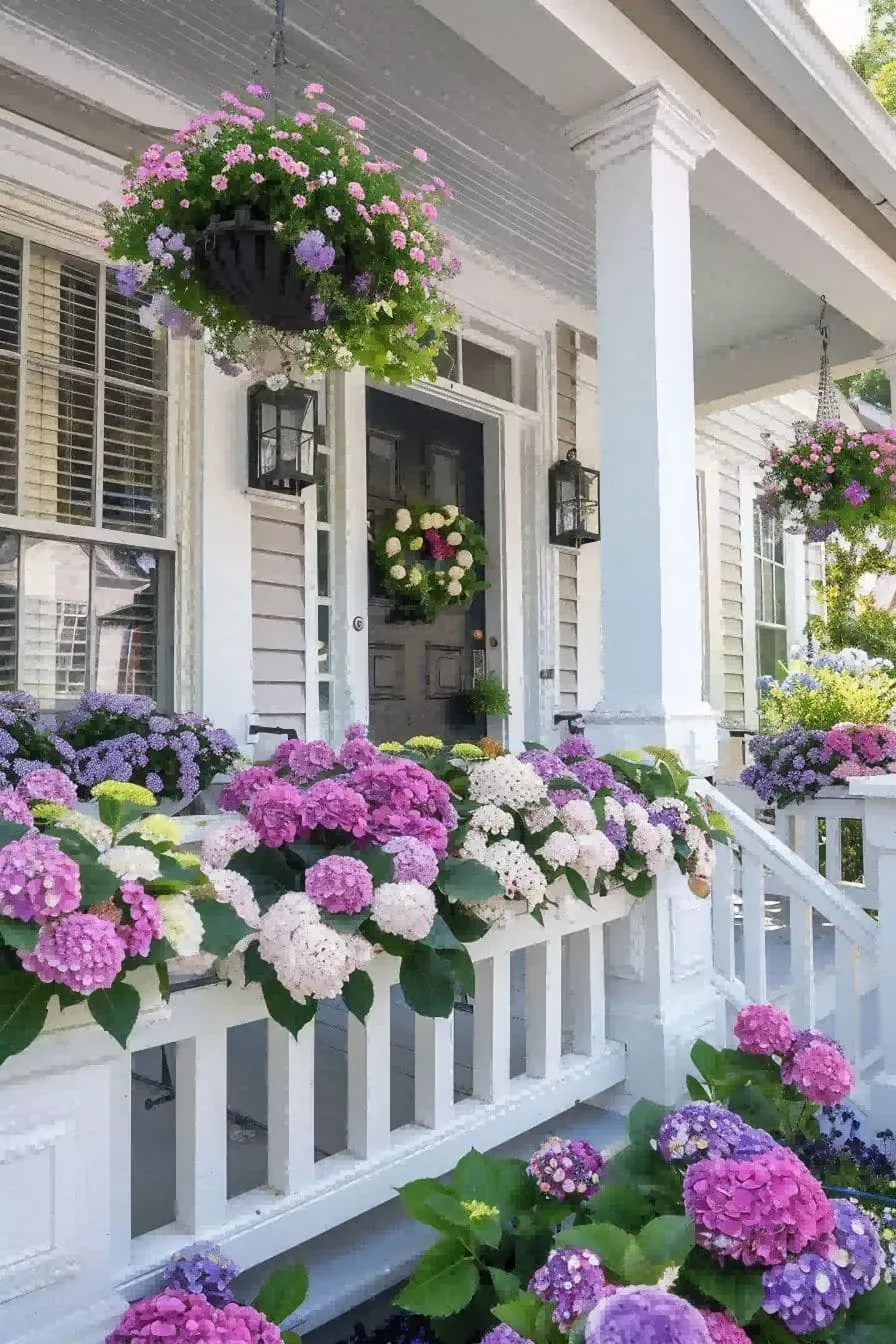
x=567, y=561
x=278, y=613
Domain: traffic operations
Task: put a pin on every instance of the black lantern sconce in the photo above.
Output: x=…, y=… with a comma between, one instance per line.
x=574, y=501
x=283, y=437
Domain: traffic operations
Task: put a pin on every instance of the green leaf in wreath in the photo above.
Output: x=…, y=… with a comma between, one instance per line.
x=284, y=1009
x=428, y=982
x=667, y=1240
x=23, y=1011
x=98, y=884
x=739, y=1290
x=443, y=1282
x=357, y=995
x=222, y=927
x=468, y=881
x=609, y=1242
x=115, y=1010
x=282, y=1293
x=16, y=933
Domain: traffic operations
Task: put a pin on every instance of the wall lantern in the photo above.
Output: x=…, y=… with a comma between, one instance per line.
x=574, y=502
x=283, y=436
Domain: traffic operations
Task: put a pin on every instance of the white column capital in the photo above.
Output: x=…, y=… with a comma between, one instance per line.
x=650, y=115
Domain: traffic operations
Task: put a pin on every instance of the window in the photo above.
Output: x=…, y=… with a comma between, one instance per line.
x=477, y=366
x=771, y=597
x=84, y=570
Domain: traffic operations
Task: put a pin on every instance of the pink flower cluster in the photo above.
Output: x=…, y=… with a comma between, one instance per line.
x=854, y=750
x=81, y=951
x=179, y=1317
x=810, y=1061
x=37, y=881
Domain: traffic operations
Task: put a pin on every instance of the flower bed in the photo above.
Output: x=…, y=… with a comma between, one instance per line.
x=833, y=479
x=792, y=766
x=706, y=1229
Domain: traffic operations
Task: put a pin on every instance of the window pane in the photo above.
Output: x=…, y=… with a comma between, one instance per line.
x=777, y=540
x=55, y=590
x=10, y=292
x=323, y=639
x=125, y=596
x=443, y=485
x=60, y=430
x=382, y=467
x=321, y=477
x=323, y=564
x=133, y=354
x=487, y=371
x=134, y=454
x=757, y=528
x=9, y=587
x=62, y=310
x=9, y=426
x=325, y=719
x=780, y=596
x=446, y=362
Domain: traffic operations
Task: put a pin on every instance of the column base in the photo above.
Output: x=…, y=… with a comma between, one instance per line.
x=694, y=736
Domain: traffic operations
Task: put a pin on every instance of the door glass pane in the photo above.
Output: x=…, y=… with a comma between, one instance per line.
x=382, y=467
x=126, y=612
x=323, y=564
x=443, y=487
x=487, y=371
x=55, y=595
x=325, y=723
x=323, y=639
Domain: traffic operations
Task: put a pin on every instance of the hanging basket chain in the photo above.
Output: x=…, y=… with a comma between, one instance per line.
x=828, y=409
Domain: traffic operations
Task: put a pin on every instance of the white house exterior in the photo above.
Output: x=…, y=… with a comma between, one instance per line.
x=651, y=196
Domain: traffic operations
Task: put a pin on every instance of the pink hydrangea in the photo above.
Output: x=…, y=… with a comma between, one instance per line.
x=820, y=1072
x=339, y=884
x=146, y=919
x=303, y=761
x=47, y=785
x=722, y=1330
x=760, y=1211
x=274, y=813
x=220, y=845
x=333, y=805
x=178, y=1317
x=242, y=788
x=37, y=880
x=762, y=1029
x=14, y=808
x=81, y=951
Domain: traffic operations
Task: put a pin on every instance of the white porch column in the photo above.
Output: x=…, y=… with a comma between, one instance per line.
x=643, y=148
x=886, y=360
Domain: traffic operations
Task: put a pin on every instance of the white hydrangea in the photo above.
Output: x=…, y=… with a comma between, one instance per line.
x=474, y=846
x=506, y=782
x=519, y=874
x=454, y=538
x=614, y=811
x=655, y=843
x=402, y=520
x=597, y=854
x=560, y=849
x=693, y=836
x=454, y=588
x=398, y=572
x=131, y=863
x=425, y=522
x=436, y=520
x=181, y=925
x=492, y=820
x=450, y=511
x=406, y=909
x=235, y=890
x=90, y=828
x=393, y=546
x=415, y=544
x=220, y=845
x=578, y=817
x=455, y=572
x=415, y=575
x=464, y=559
x=635, y=814
x=540, y=818
x=311, y=960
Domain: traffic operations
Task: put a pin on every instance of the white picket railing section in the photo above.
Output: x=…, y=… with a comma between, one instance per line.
x=784, y=933
x=71, y=1150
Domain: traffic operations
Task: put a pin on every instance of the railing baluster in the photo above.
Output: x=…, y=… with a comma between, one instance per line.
x=201, y=1131
x=802, y=963
x=753, y=891
x=369, y=1074
x=847, y=1008
x=120, y=1086
x=433, y=1071
x=833, y=865
x=491, y=1028
x=723, y=912
x=290, y=1109
x=544, y=1026
x=586, y=991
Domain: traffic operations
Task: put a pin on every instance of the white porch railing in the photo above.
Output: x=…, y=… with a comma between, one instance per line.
x=76, y=1135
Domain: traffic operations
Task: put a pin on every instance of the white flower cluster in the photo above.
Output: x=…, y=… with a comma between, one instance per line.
x=220, y=845
x=506, y=782
x=474, y=846
x=90, y=828
x=519, y=874
x=311, y=960
x=675, y=805
x=597, y=854
x=703, y=855
x=406, y=909
x=181, y=925
x=539, y=818
x=491, y=820
x=236, y=890
x=131, y=863
x=654, y=842
x=560, y=849
x=614, y=811
x=578, y=817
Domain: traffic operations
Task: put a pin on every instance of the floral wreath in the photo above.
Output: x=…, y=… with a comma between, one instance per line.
x=431, y=558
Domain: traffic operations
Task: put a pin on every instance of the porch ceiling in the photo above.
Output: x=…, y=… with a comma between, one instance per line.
x=521, y=196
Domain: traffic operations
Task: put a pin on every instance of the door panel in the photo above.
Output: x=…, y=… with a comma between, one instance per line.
x=419, y=671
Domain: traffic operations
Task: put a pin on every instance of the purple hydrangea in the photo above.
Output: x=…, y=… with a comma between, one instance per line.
x=859, y=1255
x=571, y=1280
x=303, y=761
x=788, y=767
x=594, y=774
x=546, y=764
x=81, y=951
x=14, y=808
x=146, y=919
x=805, y=1293
x=563, y=1168
x=700, y=1129
x=645, y=1316
x=275, y=813
x=576, y=747
x=239, y=791
x=47, y=785
x=339, y=884
x=503, y=1334
x=333, y=805
x=37, y=881
x=314, y=252
x=178, y=1317
x=205, y=1269
x=356, y=751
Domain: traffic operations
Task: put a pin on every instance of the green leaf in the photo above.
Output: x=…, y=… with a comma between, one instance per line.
x=758, y=1109
x=623, y=1205
x=461, y=963
x=268, y=872
x=467, y=880
x=609, y=1242
x=290, y=1337
x=644, y=1120
x=357, y=995
x=443, y=1282
x=23, y=1011
x=345, y=923
x=667, y=1240
x=73, y=844
x=636, y=1268
x=440, y=936
x=521, y=1313
x=284, y=1009
x=256, y=970
x=739, y=1290
x=696, y=1090
x=577, y=885
x=16, y=933
x=707, y=1060
x=11, y=830
x=115, y=1010
x=427, y=982
x=98, y=883
x=500, y=1181
x=506, y=1285
x=283, y=1292
x=485, y=1230
x=164, y=981
x=380, y=864
x=307, y=854
x=222, y=927
x=416, y=1197
x=466, y=926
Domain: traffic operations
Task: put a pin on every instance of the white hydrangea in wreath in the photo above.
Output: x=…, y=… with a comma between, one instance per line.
x=430, y=558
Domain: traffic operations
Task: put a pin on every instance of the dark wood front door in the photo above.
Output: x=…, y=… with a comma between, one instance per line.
x=419, y=672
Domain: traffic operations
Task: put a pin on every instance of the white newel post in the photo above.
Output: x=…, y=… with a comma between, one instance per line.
x=879, y=793
x=643, y=148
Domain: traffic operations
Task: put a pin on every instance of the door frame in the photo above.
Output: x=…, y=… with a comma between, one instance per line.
x=503, y=436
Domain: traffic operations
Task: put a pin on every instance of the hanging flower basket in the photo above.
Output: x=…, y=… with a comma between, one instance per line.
x=263, y=230
x=429, y=559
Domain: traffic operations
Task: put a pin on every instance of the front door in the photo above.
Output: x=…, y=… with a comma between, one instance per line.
x=419, y=673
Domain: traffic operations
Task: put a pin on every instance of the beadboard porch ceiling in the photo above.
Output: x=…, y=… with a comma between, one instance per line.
x=521, y=195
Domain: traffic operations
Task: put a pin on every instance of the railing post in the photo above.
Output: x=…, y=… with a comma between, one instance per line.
x=879, y=792
x=660, y=995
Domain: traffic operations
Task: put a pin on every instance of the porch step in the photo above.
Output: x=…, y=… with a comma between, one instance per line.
x=350, y=1266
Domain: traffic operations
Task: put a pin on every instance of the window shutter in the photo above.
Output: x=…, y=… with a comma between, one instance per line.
x=10, y=315
x=9, y=587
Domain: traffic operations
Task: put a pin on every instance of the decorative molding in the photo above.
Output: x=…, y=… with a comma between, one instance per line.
x=648, y=117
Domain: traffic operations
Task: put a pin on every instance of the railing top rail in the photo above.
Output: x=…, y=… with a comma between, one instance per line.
x=797, y=877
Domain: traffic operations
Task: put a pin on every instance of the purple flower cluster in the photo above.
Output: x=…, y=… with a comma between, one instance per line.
x=204, y=1269
x=47, y=785
x=339, y=884
x=412, y=860
x=146, y=920
x=572, y=1281
x=805, y=1293
x=810, y=1061
x=81, y=951
x=37, y=881
x=564, y=1168
x=14, y=808
x=179, y=1317
x=787, y=767
x=705, y=1130
x=25, y=743
x=639, y=1315
x=303, y=761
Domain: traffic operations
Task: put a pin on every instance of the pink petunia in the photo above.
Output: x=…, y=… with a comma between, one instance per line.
x=401, y=278
x=356, y=123
x=421, y=155
x=311, y=90
x=300, y=201
x=355, y=190
x=158, y=204
x=219, y=182
x=256, y=177
x=417, y=254
x=302, y=169
x=185, y=204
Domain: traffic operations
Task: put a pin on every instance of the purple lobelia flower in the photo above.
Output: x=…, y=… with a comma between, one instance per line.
x=204, y=1269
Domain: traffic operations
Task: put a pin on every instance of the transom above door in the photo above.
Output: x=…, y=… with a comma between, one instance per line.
x=420, y=672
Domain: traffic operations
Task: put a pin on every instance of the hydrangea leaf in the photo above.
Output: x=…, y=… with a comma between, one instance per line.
x=283, y=1293
x=256, y=970
x=464, y=924
x=667, y=1240
x=468, y=881
x=115, y=1010
x=286, y=1010
x=739, y=1290
x=11, y=830
x=23, y=1011
x=16, y=933
x=443, y=1283
x=427, y=982
x=222, y=927
x=610, y=1243
x=98, y=884
x=357, y=995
